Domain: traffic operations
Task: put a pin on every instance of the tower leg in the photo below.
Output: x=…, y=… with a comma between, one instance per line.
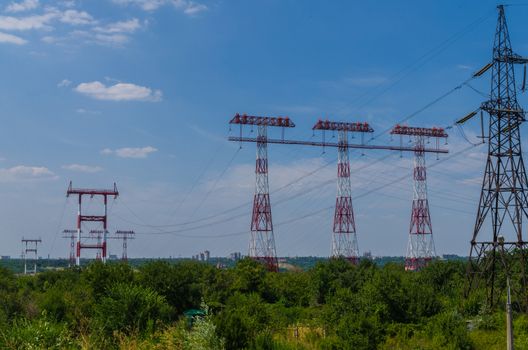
x=262, y=242
x=420, y=248
x=344, y=238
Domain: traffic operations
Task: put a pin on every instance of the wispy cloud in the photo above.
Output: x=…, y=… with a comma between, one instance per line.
x=119, y=92
x=464, y=67
x=130, y=152
x=186, y=6
x=87, y=29
x=83, y=168
x=128, y=26
x=114, y=34
x=64, y=83
x=191, y=8
x=26, y=173
x=147, y=5
x=75, y=17
x=20, y=6
x=27, y=23
x=86, y=111
x=11, y=39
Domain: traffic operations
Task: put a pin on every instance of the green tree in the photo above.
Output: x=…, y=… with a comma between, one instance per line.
x=130, y=309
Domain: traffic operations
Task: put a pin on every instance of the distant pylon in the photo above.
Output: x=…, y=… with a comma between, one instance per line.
x=71, y=235
x=344, y=237
x=420, y=247
x=262, y=241
x=124, y=236
x=30, y=246
x=99, y=235
x=503, y=199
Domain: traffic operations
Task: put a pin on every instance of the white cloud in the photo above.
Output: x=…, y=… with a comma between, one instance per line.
x=75, y=17
x=118, y=92
x=107, y=39
x=147, y=5
x=48, y=39
x=25, y=173
x=83, y=168
x=186, y=6
x=130, y=152
x=27, y=23
x=113, y=34
x=24, y=5
x=129, y=26
x=64, y=83
x=11, y=39
x=192, y=8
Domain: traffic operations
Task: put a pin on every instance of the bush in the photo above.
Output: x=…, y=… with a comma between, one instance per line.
x=39, y=334
x=130, y=309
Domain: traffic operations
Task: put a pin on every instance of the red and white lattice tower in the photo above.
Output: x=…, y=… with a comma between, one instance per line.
x=262, y=241
x=344, y=237
x=99, y=235
x=420, y=248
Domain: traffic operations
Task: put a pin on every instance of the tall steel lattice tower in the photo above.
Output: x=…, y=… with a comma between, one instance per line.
x=344, y=237
x=420, y=247
x=262, y=241
x=503, y=201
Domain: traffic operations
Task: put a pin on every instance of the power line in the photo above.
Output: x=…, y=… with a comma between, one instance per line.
x=362, y=195
x=406, y=71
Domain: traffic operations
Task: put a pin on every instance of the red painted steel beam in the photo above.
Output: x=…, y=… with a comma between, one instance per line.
x=335, y=144
x=92, y=218
x=92, y=192
x=352, y=127
x=244, y=119
x=91, y=246
x=415, y=131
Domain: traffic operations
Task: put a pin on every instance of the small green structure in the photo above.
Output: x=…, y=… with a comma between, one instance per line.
x=191, y=314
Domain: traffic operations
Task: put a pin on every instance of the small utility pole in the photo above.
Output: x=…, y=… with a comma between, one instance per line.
x=509, y=325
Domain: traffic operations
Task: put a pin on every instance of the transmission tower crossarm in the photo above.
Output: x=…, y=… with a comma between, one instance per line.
x=244, y=119
x=92, y=192
x=483, y=70
x=336, y=144
x=466, y=117
x=342, y=126
x=513, y=58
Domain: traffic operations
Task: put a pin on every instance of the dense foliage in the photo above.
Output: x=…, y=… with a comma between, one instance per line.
x=333, y=305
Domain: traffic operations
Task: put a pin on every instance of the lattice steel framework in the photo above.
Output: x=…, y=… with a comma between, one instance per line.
x=30, y=247
x=124, y=236
x=99, y=236
x=344, y=236
x=420, y=247
x=262, y=241
x=501, y=250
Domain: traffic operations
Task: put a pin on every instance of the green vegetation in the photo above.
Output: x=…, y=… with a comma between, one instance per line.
x=332, y=305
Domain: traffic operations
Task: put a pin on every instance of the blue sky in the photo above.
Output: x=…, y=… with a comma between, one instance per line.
x=140, y=92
